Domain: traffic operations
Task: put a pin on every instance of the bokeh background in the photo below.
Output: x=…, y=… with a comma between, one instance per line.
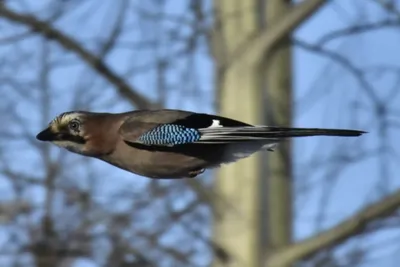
x=320, y=202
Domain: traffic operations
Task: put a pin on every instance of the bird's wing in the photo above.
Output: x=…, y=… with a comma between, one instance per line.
x=171, y=128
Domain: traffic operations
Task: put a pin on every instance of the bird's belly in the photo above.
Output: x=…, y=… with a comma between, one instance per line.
x=158, y=164
x=168, y=165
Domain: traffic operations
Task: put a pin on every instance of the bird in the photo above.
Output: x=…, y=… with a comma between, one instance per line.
x=168, y=143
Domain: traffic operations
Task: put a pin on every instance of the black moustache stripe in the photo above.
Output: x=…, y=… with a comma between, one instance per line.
x=72, y=138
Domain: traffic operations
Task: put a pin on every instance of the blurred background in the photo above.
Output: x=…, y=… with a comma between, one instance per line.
x=320, y=201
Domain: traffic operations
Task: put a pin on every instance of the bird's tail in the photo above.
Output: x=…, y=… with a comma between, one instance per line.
x=220, y=135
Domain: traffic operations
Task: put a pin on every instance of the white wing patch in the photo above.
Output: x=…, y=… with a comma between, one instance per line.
x=215, y=123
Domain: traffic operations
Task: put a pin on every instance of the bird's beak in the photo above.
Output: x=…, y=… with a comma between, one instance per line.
x=47, y=135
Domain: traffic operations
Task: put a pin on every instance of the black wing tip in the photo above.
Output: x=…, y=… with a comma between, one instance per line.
x=359, y=132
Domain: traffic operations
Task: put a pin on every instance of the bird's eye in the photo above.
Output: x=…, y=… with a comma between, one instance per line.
x=74, y=125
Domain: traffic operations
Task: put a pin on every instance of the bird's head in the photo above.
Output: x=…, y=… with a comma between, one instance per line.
x=75, y=131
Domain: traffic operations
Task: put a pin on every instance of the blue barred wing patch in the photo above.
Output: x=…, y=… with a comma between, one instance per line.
x=170, y=134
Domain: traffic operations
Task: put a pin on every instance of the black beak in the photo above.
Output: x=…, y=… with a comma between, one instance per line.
x=46, y=135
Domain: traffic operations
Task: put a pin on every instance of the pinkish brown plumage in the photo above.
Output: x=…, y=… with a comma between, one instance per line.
x=164, y=144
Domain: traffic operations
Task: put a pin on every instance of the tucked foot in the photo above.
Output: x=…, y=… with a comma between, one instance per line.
x=193, y=174
x=272, y=147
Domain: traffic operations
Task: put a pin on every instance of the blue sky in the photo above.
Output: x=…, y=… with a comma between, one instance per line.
x=325, y=94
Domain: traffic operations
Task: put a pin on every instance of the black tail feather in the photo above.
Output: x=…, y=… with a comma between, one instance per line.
x=280, y=132
x=260, y=133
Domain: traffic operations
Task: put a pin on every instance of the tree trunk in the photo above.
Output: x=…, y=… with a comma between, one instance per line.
x=278, y=100
x=257, y=217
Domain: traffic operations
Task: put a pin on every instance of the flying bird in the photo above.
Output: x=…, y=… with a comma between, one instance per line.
x=168, y=143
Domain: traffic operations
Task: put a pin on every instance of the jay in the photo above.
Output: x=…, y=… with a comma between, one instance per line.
x=167, y=143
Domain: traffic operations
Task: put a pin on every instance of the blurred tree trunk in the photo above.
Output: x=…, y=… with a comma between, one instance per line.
x=258, y=218
x=277, y=72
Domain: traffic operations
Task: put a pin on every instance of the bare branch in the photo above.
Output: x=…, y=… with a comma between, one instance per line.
x=389, y=6
x=116, y=31
x=351, y=227
x=261, y=44
x=344, y=62
x=357, y=29
x=49, y=32
x=13, y=208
